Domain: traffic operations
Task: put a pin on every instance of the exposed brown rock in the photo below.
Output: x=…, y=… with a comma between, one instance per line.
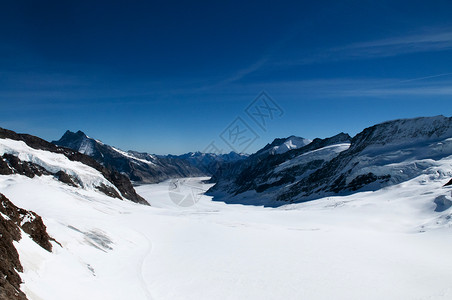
x=12, y=220
x=9, y=258
x=29, y=221
x=65, y=178
x=109, y=191
x=11, y=164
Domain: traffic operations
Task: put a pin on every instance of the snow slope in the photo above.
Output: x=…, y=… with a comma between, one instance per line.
x=388, y=244
x=88, y=177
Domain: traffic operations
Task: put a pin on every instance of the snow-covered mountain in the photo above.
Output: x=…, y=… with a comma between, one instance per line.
x=139, y=167
x=379, y=156
x=30, y=156
x=280, y=146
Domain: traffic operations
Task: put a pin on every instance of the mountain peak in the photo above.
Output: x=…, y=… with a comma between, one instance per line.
x=72, y=136
x=79, y=132
x=282, y=145
x=78, y=141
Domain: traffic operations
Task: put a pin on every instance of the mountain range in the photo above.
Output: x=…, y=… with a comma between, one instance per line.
x=143, y=168
x=382, y=155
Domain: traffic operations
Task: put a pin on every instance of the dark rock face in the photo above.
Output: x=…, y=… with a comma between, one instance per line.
x=65, y=178
x=10, y=164
x=139, y=167
x=9, y=261
x=12, y=219
x=29, y=221
x=442, y=203
x=120, y=181
x=109, y=191
x=449, y=183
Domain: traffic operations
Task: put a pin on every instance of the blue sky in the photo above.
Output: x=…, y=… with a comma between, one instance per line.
x=174, y=76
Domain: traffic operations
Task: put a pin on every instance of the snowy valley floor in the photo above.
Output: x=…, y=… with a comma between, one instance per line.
x=388, y=244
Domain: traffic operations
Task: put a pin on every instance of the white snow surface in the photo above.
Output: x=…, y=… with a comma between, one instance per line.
x=388, y=244
x=86, y=147
x=291, y=143
x=326, y=153
x=128, y=155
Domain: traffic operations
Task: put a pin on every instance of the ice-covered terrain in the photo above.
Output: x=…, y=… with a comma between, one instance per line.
x=388, y=244
x=393, y=242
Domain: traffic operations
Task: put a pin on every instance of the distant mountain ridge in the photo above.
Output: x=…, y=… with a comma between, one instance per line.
x=381, y=155
x=209, y=163
x=139, y=167
x=144, y=167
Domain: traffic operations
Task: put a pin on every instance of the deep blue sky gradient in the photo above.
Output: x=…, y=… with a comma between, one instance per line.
x=170, y=76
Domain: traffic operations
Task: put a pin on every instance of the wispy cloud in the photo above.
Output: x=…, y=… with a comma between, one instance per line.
x=432, y=40
x=427, y=77
x=400, y=91
x=424, y=42
x=354, y=88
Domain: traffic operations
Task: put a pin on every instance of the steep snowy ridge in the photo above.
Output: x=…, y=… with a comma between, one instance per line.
x=404, y=131
x=382, y=155
x=86, y=176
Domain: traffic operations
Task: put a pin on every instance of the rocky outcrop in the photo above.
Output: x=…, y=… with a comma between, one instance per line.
x=12, y=220
x=10, y=164
x=442, y=203
x=65, y=178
